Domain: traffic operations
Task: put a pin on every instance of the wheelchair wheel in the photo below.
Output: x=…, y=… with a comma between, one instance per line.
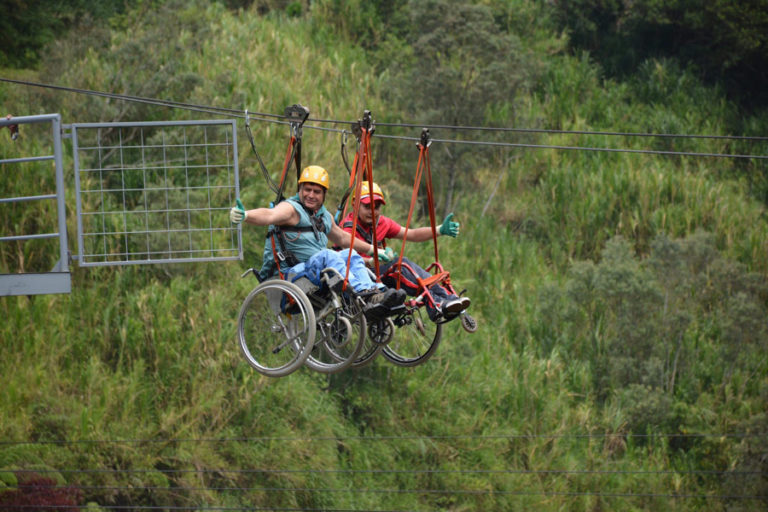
x=416, y=340
x=276, y=328
x=468, y=322
x=340, y=338
x=379, y=334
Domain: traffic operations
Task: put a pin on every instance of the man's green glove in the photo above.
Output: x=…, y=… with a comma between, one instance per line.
x=448, y=227
x=237, y=214
x=387, y=255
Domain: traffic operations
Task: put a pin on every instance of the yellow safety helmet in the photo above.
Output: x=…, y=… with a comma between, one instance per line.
x=365, y=193
x=315, y=174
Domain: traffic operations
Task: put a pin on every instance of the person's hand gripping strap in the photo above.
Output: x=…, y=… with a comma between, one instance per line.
x=448, y=227
x=238, y=214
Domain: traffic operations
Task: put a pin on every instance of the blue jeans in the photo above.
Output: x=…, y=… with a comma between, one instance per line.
x=359, y=278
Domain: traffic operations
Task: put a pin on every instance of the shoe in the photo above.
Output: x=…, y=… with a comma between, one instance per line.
x=388, y=298
x=374, y=309
x=397, y=298
x=455, y=305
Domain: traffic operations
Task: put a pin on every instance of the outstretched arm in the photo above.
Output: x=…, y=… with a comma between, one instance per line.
x=341, y=238
x=281, y=215
x=423, y=234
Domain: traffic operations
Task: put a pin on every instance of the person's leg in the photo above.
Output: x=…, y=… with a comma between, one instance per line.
x=410, y=271
x=359, y=279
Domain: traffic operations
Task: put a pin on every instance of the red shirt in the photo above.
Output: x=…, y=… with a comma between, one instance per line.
x=385, y=228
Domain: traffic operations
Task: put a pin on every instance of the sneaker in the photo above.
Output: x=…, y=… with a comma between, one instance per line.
x=374, y=309
x=388, y=298
x=455, y=305
x=397, y=298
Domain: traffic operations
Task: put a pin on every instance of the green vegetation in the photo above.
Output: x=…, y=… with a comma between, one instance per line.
x=622, y=354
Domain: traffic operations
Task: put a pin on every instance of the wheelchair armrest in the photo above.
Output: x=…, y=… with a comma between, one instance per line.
x=306, y=285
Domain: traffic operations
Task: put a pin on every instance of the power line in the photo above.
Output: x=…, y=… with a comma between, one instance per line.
x=736, y=435
x=538, y=472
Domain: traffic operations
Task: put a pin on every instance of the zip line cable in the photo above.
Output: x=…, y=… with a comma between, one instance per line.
x=577, y=132
x=275, y=118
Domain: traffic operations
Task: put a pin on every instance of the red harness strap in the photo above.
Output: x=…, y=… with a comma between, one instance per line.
x=362, y=169
x=423, y=164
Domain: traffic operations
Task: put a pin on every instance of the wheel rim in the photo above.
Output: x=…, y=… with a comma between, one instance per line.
x=276, y=328
x=415, y=341
x=331, y=355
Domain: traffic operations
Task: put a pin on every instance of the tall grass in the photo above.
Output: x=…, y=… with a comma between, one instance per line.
x=149, y=353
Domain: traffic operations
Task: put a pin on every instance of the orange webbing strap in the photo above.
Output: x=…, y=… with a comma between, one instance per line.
x=430, y=194
x=289, y=154
x=423, y=151
x=423, y=163
x=288, y=158
x=373, y=209
x=355, y=208
x=429, y=281
x=274, y=255
x=363, y=165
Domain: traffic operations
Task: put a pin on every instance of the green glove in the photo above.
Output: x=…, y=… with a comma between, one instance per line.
x=448, y=227
x=237, y=214
x=387, y=255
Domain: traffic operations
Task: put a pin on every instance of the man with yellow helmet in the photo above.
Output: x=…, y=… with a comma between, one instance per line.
x=299, y=228
x=447, y=305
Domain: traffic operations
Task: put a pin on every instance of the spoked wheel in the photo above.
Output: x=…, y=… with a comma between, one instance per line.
x=276, y=328
x=416, y=340
x=381, y=331
x=379, y=334
x=340, y=339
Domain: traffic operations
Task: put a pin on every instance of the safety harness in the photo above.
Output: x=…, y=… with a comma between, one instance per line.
x=296, y=115
x=441, y=276
x=362, y=169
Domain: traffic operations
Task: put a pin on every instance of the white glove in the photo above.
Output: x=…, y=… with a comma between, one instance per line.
x=238, y=214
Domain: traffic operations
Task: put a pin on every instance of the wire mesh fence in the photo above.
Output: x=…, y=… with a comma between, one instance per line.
x=155, y=192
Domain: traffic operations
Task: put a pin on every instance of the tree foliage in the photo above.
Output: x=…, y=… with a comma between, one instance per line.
x=726, y=41
x=26, y=27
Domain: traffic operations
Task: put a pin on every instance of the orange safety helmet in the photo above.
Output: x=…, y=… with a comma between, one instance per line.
x=315, y=174
x=365, y=193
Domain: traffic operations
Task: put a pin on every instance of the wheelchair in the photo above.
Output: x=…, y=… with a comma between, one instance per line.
x=409, y=337
x=285, y=324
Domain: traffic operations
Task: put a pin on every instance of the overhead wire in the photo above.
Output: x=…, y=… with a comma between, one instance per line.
x=276, y=118
x=200, y=470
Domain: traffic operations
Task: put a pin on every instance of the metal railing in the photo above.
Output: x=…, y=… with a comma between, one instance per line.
x=58, y=280
x=152, y=192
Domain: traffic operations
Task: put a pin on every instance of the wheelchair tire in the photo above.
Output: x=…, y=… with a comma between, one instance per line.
x=415, y=341
x=276, y=328
x=340, y=343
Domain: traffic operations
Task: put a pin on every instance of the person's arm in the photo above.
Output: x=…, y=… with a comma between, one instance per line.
x=416, y=234
x=423, y=234
x=341, y=238
x=281, y=215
